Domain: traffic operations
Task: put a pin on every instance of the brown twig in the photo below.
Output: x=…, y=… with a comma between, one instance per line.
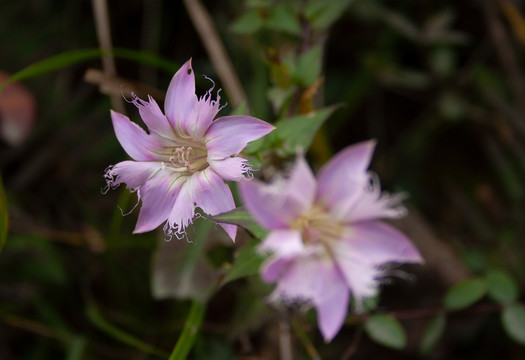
x=38, y=328
x=219, y=57
x=100, y=10
x=307, y=343
x=22, y=224
x=350, y=351
x=515, y=19
x=113, y=85
x=306, y=43
x=150, y=36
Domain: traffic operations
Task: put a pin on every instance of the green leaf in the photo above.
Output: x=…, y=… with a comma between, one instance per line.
x=282, y=18
x=182, y=270
x=248, y=23
x=322, y=14
x=502, y=288
x=247, y=263
x=386, y=331
x=147, y=58
x=279, y=96
x=242, y=218
x=73, y=57
x=465, y=294
x=241, y=109
x=308, y=67
x=54, y=63
x=370, y=303
x=3, y=216
x=101, y=323
x=299, y=131
x=260, y=145
x=432, y=334
x=513, y=319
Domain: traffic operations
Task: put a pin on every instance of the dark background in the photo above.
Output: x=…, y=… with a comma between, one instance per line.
x=446, y=105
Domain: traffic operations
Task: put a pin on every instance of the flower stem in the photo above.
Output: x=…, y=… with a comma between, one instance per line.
x=191, y=328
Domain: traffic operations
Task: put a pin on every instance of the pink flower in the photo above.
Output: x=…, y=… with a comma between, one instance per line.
x=325, y=237
x=182, y=162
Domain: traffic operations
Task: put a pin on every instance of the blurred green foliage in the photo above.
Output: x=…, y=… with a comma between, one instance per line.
x=438, y=84
x=386, y=331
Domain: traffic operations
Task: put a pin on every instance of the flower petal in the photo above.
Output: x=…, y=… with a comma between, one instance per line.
x=269, y=203
x=228, y=135
x=311, y=278
x=371, y=204
x=278, y=204
x=184, y=209
x=181, y=99
x=273, y=268
x=214, y=197
x=377, y=243
x=205, y=112
x=158, y=197
x=332, y=311
x=230, y=229
x=302, y=185
x=304, y=279
x=231, y=168
x=360, y=276
x=134, y=139
x=345, y=177
x=283, y=243
x=211, y=194
x=152, y=116
x=131, y=173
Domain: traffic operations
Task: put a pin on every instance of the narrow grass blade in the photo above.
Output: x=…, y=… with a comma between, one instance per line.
x=100, y=322
x=73, y=57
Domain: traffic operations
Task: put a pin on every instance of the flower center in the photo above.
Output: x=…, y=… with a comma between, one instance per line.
x=188, y=159
x=318, y=226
